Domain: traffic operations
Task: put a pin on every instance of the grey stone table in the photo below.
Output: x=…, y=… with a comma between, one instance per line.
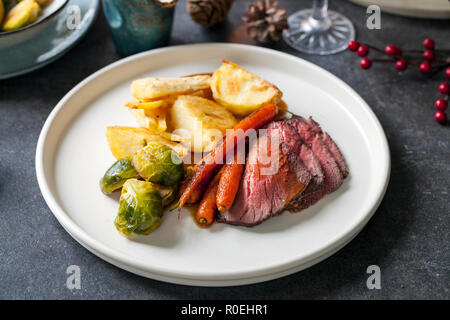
x=408, y=237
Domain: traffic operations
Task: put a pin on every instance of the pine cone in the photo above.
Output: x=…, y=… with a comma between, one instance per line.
x=264, y=21
x=208, y=12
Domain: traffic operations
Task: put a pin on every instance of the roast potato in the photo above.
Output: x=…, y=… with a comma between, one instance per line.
x=241, y=91
x=125, y=141
x=203, y=120
x=156, y=88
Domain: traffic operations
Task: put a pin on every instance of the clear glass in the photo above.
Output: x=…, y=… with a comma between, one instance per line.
x=319, y=30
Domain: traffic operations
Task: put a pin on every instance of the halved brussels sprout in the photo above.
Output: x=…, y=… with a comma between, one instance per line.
x=117, y=174
x=140, y=208
x=158, y=163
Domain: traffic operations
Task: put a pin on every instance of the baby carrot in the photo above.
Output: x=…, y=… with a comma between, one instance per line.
x=229, y=184
x=195, y=196
x=207, y=209
x=209, y=164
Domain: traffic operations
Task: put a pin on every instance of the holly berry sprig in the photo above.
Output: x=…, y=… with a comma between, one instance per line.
x=431, y=61
x=441, y=104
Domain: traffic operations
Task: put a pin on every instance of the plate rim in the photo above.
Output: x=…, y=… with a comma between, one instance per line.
x=233, y=278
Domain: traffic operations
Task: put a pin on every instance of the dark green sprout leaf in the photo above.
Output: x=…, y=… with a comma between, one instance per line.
x=159, y=164
x=140, y=208
x=117, y=174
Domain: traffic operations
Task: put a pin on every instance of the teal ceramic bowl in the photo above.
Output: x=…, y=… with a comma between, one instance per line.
x=15, y=37
x=138, y=25
x=39, y=45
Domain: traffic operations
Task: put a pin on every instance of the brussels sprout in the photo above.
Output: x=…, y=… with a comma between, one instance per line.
x=117, y=174
x=159, y=164
x=140, y=208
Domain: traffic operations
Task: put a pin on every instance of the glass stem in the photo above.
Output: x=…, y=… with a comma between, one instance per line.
x=320, y=10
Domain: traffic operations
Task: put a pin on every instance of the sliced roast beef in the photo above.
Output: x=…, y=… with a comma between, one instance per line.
x=289, y=135
x=332, y=146
x=305, y=166
x=267, y=186
x=333, y=175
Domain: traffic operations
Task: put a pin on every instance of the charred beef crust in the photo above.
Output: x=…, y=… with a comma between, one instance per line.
x=331, y=145
x=333, y=175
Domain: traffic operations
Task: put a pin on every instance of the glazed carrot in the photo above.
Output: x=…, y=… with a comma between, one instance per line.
x=210, y=164
x=196, y=193
x=207, y=209
x=229, y=184
x=183, y=187
x=195, y=197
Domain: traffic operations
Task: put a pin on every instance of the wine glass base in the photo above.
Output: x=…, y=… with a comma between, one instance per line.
x=312, y=36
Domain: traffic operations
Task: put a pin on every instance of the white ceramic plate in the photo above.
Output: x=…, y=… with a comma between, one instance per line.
x=72, y=154
x=435, y=9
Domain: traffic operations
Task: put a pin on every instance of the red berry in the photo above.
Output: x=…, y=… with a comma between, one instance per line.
x=444, y=88
x=441, y=104
x=428, y=43
x=447, y=73
x=365, y=63
x=393, y=50
x=362, y=51
x=390, y=49
x=429, y=54
x=440, y=117
x=401, y=65
x=353, y=45
x=425, y=67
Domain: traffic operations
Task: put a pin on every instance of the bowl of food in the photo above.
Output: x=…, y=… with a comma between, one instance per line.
x=20, y=20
